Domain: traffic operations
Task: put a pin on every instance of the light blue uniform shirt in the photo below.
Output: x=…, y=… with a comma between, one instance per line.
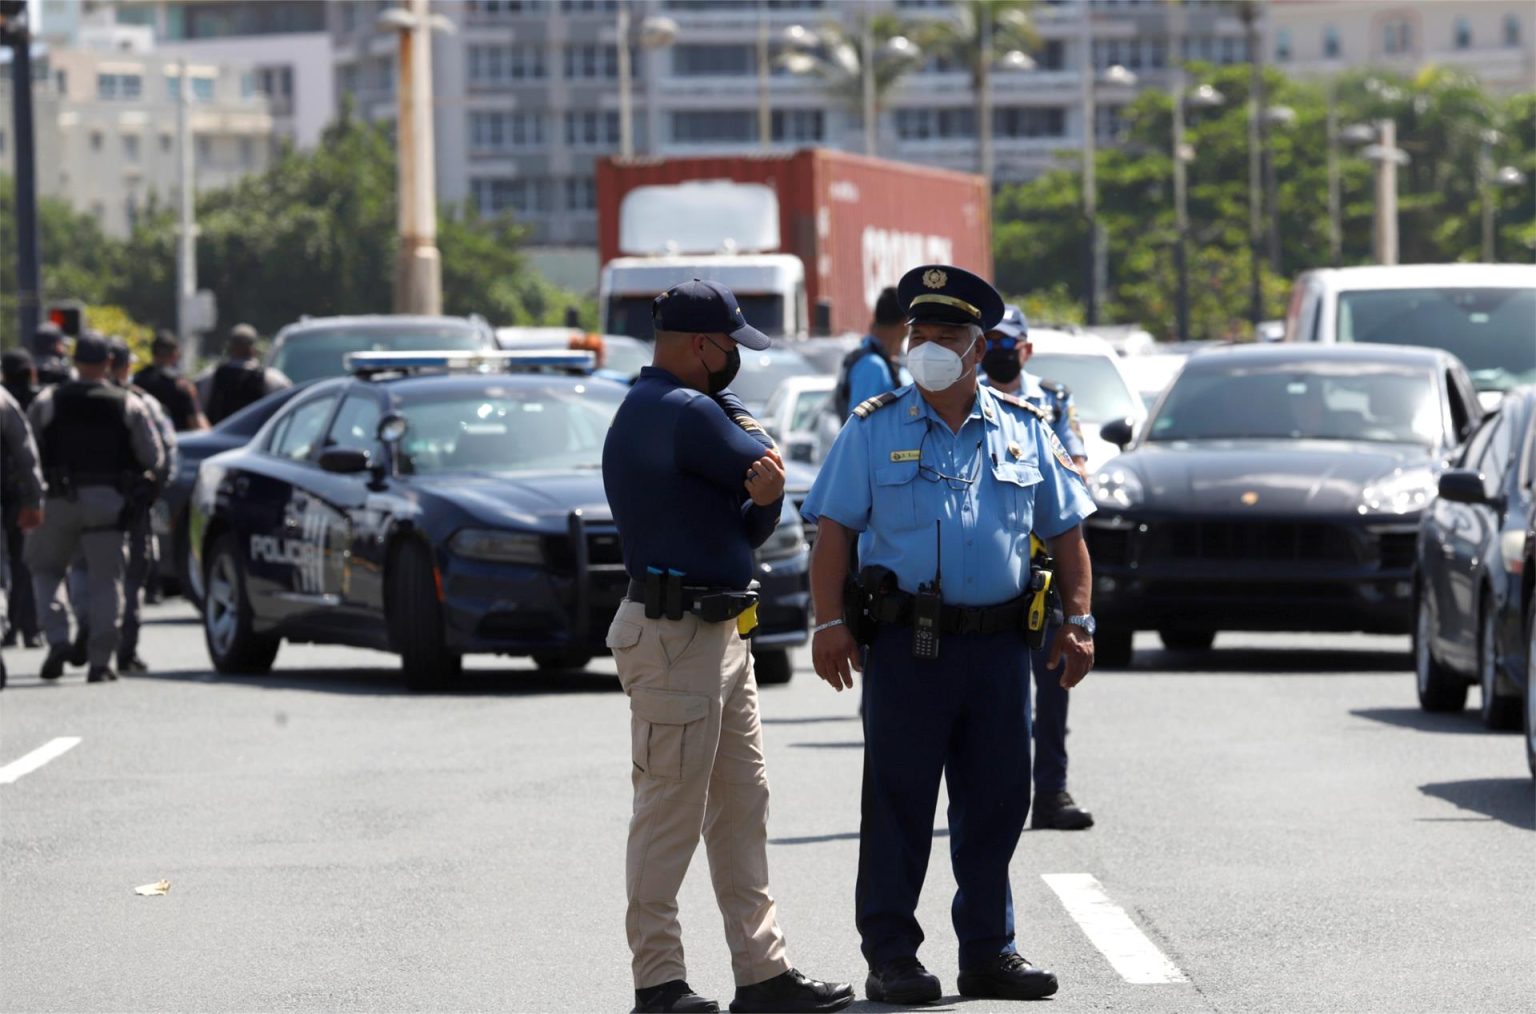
x=885, y=477
x=1059, y=407
x=871, y=376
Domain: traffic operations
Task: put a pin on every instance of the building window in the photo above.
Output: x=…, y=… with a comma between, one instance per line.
x=493, y=10
x=247, y=153
x=1332, y=50
x=501, y=132
x=166, y=143
x=799, y=126
x=1397, y=37
x=1283, y=46
x=492, y=196
x=1035, y=121
x=714, y=126
x=933, y=124
x=713, y=61
x=113, y=87
x=592, y=62
x=494, y=65
x=204, y=151
x=1108, y=122
x=591, y=128
x=580, y=193
x=589, y=6
x=202, y=88
x=1463, y=38
x=95, y=140
x=1511, y=32
x=131, y=147
x=61, y=81
x=275, y=82
x=2, y=142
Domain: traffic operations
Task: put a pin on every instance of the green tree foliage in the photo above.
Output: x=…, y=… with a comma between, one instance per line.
x=1040, y=238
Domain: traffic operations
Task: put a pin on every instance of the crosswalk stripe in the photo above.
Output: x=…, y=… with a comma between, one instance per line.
x=28, y=763
x=1108, y=928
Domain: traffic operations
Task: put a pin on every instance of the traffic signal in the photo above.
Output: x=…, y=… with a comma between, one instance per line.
x=69, y=318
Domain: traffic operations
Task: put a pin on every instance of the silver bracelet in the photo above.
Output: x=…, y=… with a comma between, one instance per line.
x=827, y=625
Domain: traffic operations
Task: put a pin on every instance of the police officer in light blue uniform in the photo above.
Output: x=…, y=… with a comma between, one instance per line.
x=942, y=483
x=874, y=366
x=1008, y=353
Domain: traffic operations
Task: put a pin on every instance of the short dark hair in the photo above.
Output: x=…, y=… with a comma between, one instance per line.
x=16, y=364
x=165, y=343
x=888, y=307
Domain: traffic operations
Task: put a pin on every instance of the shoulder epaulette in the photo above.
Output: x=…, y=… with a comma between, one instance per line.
x=871, y=405
x=1017, y=402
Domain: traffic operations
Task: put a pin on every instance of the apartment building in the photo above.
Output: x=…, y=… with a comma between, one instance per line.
x=105, y=126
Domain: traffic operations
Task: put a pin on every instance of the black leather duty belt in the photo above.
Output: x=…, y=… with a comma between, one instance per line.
x=895, y=609
x=713, y=604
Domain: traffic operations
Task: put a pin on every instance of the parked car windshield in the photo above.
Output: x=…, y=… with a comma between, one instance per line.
x=508, y=429
x=1490, y=330
x=1097, y=388
x=762, y=372
x=1340, y=401
x=310, y=355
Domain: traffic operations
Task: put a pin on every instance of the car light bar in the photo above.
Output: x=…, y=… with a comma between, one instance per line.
x=363, y=364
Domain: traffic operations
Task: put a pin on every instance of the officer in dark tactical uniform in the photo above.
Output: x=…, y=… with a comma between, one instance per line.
x=52, y=363
x=240, y=379
x=21, y=496
x=872, y=368
x=163, y=381
x=96, y=442
x=18, y=376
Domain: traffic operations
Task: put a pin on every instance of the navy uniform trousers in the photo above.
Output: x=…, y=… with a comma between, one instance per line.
x=963, y=716
x=1050, y=720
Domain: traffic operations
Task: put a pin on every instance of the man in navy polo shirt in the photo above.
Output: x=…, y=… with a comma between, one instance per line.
x=695, y=486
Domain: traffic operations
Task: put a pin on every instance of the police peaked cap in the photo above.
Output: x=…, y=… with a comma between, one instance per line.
x=943, y=294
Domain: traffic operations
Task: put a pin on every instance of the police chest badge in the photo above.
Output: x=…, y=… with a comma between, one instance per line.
x=935, y=278
x=1016, y=451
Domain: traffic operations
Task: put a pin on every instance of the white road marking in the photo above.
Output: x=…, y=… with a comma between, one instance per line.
x=25, y=765
x=1108, y=928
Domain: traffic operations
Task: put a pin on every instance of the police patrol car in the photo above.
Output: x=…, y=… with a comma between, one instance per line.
x=437, y=505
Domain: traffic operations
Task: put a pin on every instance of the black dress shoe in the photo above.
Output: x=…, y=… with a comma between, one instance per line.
x=903, y=981
x=10, y=638
x=791, y=993
x=676, y=995
x=131, y=664
x=100, y=674
x=33, y=640
x=80, y=651
x=53, y=665
x=1055, y=811
x=1008, y=977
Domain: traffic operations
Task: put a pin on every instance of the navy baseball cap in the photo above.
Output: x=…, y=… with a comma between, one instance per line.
x=120, y=353
x=1013, y=325
x=702, y=307
x=91, y=347
x=944, y=294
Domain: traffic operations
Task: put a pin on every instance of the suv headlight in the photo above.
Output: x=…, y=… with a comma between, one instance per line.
x=1116, y=487
x=1403, y=492
x=500, y=547
x=787, y=539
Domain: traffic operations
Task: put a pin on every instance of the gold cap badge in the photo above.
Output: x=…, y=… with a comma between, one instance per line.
x=934, y=278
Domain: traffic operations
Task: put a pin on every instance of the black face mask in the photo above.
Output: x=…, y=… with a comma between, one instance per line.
x=719, y=380
x=1002, y=365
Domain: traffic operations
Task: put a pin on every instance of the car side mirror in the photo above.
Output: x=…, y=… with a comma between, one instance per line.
x=1462, y=485
x=1118, y=432
x=344, y=460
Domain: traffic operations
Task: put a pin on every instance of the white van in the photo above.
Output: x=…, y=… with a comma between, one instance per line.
x=1095, y=375
x=1484, y=314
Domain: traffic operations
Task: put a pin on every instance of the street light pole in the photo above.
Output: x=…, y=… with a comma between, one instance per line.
x=1386, y=192
x=984, y=95
x=764, y=109
x=1180, y=176
x=418, y=268
x=626, y=98
x=867, y=75
x=1335, y=203
x=1089, y=115
x=1256, y=145
x=16, y=30
x=186, y=227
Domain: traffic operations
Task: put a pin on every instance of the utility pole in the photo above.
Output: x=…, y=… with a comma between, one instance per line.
x=867, y=67
x=1386, y=158
x=1335, y=202
x=186, y=227
x=1180, y=174
x=1089, y=114
x=16, y=33
x=764, y=108
x=626, y=86
x=418, y=269
x=1255, y=165
x=984, y=96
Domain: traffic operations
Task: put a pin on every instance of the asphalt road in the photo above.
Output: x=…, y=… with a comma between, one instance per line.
x=1283, y=827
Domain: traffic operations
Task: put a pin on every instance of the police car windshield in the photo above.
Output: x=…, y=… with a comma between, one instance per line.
x=631, y=315
x=321, y=352
x=1343, y=401
x=1097, y=388
x=508, y=429
x=1490, y=330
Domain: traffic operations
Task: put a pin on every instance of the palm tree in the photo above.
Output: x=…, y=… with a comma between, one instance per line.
x=836, y=54
x=982, y=35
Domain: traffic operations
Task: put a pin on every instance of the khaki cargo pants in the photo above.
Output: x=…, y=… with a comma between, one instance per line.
x=698, y=768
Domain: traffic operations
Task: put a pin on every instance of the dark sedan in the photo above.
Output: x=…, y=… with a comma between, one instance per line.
x=1471, y=587
x=1275, y=488
x=437, y=516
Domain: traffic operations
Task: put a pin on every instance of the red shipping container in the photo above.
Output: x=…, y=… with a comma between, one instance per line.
x=857, y=223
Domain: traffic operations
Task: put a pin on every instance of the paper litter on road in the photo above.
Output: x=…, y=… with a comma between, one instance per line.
x=154, y=890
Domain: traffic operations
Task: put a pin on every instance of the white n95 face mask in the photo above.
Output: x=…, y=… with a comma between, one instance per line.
x=935, y=368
